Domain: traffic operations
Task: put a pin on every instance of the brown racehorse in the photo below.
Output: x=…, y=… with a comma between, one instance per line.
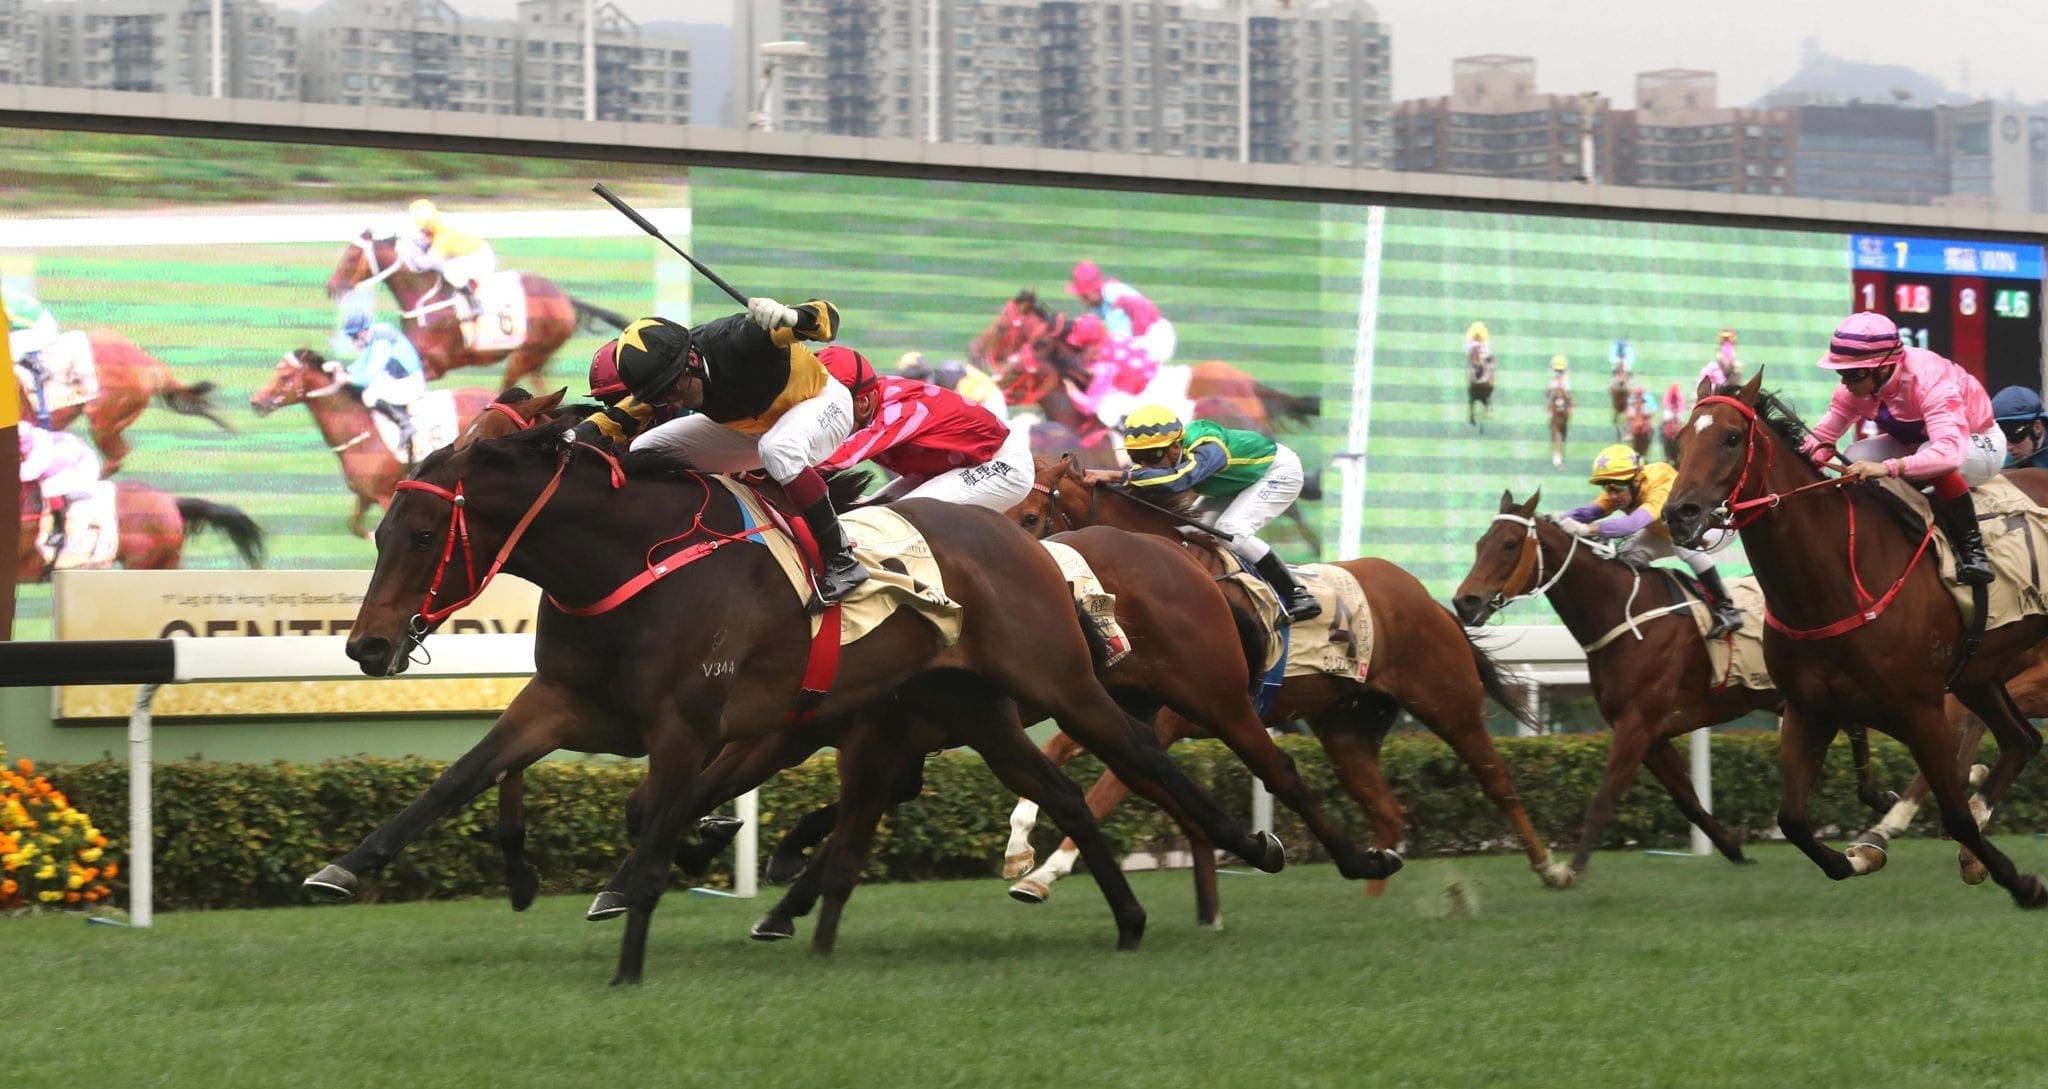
x=370, y=470
x=1840, y=653
x=1640, y=428
x=1480, y=373
x=1559, y=401
x=1422, y=662
x=552, y=315
x=628, y=681
x=129, y=377
x=154, y=525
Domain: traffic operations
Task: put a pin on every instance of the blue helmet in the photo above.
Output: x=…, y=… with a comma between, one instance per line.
x=2016, y=403
x=356, y=322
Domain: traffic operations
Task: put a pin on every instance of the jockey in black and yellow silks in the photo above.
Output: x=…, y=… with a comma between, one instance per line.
x=758, y=399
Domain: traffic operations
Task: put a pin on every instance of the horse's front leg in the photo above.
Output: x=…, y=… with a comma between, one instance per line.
x=522, y=878
x=1803, y=741
x=533, y=726
x=675, y=759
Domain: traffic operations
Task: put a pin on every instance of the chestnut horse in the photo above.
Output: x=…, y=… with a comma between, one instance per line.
x=1423, y=662
x=427, y=305
x=1559, y=402
x=367, y=466
x=626, y=681
x=128, y=377
x=154, y=525
x=1840, y=654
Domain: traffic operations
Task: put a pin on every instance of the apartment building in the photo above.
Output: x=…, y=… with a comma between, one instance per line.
x=640, y=77
x=1496, y=123
x=165, y=46
x=15, y=54
x=1679, y=137
x=1869, y=151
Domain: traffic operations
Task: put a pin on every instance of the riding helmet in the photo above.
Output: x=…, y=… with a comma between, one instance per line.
x=1151, y=427
x=653, y=353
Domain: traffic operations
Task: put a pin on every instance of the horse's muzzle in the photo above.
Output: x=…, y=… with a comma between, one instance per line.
x=261, y=407
x=1687, y=521
x=376, y=654
x=1472, y=609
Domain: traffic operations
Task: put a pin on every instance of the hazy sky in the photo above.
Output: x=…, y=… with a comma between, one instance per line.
x=1584, y=45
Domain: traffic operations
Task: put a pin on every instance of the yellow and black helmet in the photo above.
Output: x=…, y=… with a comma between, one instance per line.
x=653, y=353
x=1152, y=427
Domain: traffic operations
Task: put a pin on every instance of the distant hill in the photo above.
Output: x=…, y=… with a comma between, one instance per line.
x=710, y=70
x=1825, y=78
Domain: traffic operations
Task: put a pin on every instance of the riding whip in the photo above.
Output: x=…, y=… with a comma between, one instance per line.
x=640, y=220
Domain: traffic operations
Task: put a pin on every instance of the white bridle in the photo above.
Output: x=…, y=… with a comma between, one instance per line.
x=427, y=303
x=1630, y=618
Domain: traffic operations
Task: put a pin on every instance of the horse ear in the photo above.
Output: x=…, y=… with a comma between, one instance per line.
x=1751, y=387
x=1706, y=388
x=550, y=402
x=1507, y=501
x=1529, y=508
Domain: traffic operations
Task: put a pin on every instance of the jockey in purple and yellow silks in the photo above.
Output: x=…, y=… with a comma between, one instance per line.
x=1630, y=512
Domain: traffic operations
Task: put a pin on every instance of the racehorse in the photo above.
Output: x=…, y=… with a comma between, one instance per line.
x=367, y=466
x=1480, y=372
x=153, y=526
x=1618, y=388
x=1647, y=662
x=128, y=378
x=428, y=307
x=1422, y=662
x=632, y=681
x=1840, y=654
x=1559, y=400
x=1639, y=426
x=1673, y=427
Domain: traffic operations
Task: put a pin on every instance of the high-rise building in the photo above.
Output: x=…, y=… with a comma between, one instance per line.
x=405, y=54
x=640, y=77
x=1496, y=123
x=1997, y=155
x=166, y=46
x=1101, y=75
x=14, y=55
x=1869, y=151
x=1677, y=137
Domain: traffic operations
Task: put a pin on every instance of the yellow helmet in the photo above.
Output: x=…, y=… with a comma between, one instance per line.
x=1151, y=427
x=1557, y=363
x=422, y=212
x=1728, y=335
x=1476, y=331
x=1616, y=463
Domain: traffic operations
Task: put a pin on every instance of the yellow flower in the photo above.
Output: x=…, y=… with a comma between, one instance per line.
x=49, y=896
x=46, y=873
x=90, y=854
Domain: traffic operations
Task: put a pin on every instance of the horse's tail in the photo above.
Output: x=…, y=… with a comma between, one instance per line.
x=845, y=487
x=1284, y=407
x=193, y=400
x=1098, y=647
x=201, y=514
x=593, y=318
x=1494, y=679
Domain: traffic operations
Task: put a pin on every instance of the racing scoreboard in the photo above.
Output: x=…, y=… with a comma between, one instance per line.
x=1978, y=303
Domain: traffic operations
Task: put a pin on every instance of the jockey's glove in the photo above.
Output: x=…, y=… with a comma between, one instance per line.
x=1572, y=526
x=771, y=315
x=587, y=432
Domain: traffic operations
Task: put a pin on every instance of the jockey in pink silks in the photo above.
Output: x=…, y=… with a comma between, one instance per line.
x=69, y=472
x=1123, y=310
x=1119, y=369
x=1934, y=422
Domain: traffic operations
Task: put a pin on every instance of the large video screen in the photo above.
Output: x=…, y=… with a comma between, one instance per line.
x=189, y=262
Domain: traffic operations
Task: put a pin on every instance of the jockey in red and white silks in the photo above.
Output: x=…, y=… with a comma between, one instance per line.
x=938, y=445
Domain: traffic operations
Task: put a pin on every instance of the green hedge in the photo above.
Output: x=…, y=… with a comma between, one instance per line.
x=243, y=835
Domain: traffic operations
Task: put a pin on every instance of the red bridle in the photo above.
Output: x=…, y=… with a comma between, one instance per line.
x=458, y=529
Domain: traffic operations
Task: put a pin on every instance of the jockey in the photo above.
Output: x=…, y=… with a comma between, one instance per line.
x=762, y=401
x=2020, y=416
x=1624, y=361
x=31, y=330
x=1124, y=311
x=938, y=445
x=1674, y=403
x=463, y=258
x=1935, y=423
x=1560, y=381
x=387, y=371
x=1630, y=507
x=1476, y=340
x=1724, y=369
x=69, y=472
x=1118, y=369
x=1259, y=477
x=972, y=383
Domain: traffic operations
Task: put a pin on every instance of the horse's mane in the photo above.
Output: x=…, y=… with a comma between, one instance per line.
x=1772, y=410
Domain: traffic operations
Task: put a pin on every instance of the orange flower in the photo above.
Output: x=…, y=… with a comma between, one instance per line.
x=27, y=766
x=71, y=897
x=111, y=870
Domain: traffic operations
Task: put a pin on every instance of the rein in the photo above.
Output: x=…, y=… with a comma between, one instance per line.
x=1531, y=562
x=1052, y=494
x=1732, y=515
x=458, y=528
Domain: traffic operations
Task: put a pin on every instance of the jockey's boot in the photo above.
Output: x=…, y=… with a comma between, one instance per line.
x=34, y=362
x=1727, y=617
x=1958, y=518
x=399, y=415
x=60, y=518
x=842, y=572
x=1295, y=600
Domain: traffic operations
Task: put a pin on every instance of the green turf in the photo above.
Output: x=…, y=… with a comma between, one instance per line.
x=1658, y=972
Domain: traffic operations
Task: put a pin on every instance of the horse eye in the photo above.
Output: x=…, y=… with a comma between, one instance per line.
x=422, y=539
x=1030, y=520
x=1731, y=439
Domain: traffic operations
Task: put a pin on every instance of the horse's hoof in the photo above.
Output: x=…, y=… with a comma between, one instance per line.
x=523, y=883
x=1383, y=864
x=1557, y=875
x=772, y=927
x=1978, y=773
x=1866, y=857
x=1973, y=871
x=782, y=869
x=608, y=905
x=331, y=885
x=2030, y=893
x=1211, y=924
x=1030, y=891
x=1019, y=864
x=1273, y=855
x=715, y=834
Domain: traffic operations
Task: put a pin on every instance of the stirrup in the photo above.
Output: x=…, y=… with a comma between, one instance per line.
x=1723, y=625
x=1978, y=573
x=1301, y=605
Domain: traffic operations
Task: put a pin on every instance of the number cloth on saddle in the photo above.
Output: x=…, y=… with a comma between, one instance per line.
x=1737, y=659
x=71, y=376
x=1097, y=604
x=498, y=324
x=434, y=425
x=901, y=570
x=2015, y=539
x=1338, y=643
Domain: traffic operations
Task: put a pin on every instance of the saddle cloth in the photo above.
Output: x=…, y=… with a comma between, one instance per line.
x=498, y=324
x=2016, y=540
x=433, y=425
x=902, y=572
x=1737, y=659
x=1338, y=643
x=1097, y=604
x=72, y=380
x=92, y=535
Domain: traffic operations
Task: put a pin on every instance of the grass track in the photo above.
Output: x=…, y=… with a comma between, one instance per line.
x=1661, y=972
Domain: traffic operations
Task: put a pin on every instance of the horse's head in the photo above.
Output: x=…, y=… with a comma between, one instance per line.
x=1021, y=320
x=1060, y=499
x=514, y=410
x=1504, y=562
x=448, y=529
x=367, y=258
x=300, y=374
x=1720, y=445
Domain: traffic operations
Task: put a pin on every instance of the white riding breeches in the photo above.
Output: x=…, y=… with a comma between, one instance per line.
x=39, y=335
x=1268, y=498
x=385, y=390
x=1648, y=545
x=806, y=434
x=1982, y=459
x=460, y=271
x=1160, y=341
x=1000, y=483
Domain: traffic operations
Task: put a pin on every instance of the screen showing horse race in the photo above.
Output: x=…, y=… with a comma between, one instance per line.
x=207, y=316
